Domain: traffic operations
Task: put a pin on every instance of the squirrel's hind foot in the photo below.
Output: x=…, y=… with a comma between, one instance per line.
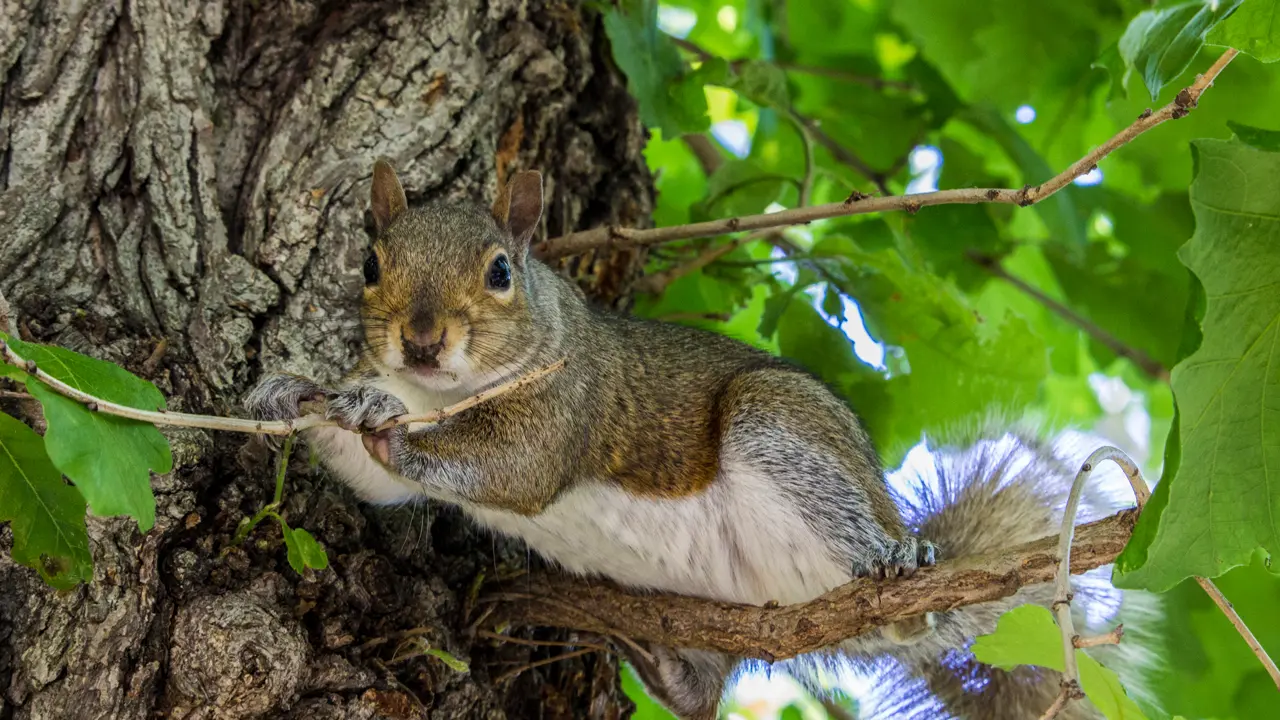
x=903, y=558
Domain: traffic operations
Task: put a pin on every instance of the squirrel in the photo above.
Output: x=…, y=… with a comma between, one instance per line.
x=663, y=457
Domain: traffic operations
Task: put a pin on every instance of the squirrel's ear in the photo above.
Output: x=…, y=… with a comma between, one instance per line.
x=387, y=197
x=519, y=205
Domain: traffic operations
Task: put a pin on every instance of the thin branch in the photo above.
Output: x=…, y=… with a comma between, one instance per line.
x=1062, y=595
x=1230, y=611
x=871, y=81
x=566, y=656
x=1059, y=702
x=841, y=153
x=1062, y=581
x=658, y=282
x=775, y=633
x=436, y=416
x=1110, y=638
x=610, y=236
x=539, y=643
x=1145, y=362
x=281, y=427
x=705, y=150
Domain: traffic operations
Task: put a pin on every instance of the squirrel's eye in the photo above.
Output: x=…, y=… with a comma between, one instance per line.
x=499, y=277
x=371, y=270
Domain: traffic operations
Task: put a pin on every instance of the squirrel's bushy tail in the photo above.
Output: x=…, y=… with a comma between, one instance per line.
x=986, y=492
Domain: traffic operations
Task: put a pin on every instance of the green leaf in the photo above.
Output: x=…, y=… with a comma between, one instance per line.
x=1222, y=501
x=46, y=514
x=110, y=459
x=655, y=72
x=1028, y=635
x=448, y=659
x=763, y=83
x=1160, y=44
x=1268, y=140
x=313, y=555
x=303, y=551
x=1253, y=29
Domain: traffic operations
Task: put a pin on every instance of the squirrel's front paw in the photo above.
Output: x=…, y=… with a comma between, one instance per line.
x=902, y=560
x=280, y=397
x=362, y=409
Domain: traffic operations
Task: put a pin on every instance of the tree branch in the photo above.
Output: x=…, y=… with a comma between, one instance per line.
x=281, y=427
x=1230, y=611
x=775, y=633
x=1145, y=362
x=616, y=237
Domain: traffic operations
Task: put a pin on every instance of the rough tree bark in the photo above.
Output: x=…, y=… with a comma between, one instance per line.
x=183, y=188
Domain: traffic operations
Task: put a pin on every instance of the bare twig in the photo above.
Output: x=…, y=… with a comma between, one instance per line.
x=774, y=633
x=708, y=156
x=281, y=427
x=539, y=643
x=1145, y=362
x=566, y=656
x=1110, y=638
x=480, y=397
x=877, y=83
x=610, y=236
x=658, y=282
x=1059, y=702
x=1230, y=611
x=841, y=153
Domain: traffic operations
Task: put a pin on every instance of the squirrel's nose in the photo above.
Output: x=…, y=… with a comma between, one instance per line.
x=422, y=345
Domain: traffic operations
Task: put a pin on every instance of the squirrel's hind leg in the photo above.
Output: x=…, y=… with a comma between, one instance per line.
x=689, y=683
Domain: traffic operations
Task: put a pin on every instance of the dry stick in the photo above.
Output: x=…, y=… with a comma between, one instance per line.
x=658, y=282
x=539, y=643
x=1145, y=362
x=566, y=656
x=775, y=633
x=841, y=153
x=281, y=427
x=1111, y=638
x=610, y=236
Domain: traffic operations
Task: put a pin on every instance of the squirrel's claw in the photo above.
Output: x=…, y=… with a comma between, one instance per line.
x=902, y=560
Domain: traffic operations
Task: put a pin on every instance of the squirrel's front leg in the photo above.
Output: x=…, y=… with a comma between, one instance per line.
x=362, y=409
x=473, y=458
x=281, y=397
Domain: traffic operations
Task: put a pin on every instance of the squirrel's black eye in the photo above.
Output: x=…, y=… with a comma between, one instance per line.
x=371, y=269
x=499, y=277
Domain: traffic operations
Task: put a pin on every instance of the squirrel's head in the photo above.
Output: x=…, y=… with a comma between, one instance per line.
x=446, y=298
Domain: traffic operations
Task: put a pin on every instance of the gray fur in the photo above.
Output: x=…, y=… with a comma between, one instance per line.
x=673, y=459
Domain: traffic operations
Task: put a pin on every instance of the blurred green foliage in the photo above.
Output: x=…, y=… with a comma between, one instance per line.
x=927, y=319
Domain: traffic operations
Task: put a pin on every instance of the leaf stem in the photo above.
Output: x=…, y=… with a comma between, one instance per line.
x=609, y=236
x=284, y=465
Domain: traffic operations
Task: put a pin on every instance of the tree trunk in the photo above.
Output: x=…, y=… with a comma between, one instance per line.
x=183, y=188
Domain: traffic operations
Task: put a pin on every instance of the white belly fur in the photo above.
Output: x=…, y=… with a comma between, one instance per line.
x=723, y=543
